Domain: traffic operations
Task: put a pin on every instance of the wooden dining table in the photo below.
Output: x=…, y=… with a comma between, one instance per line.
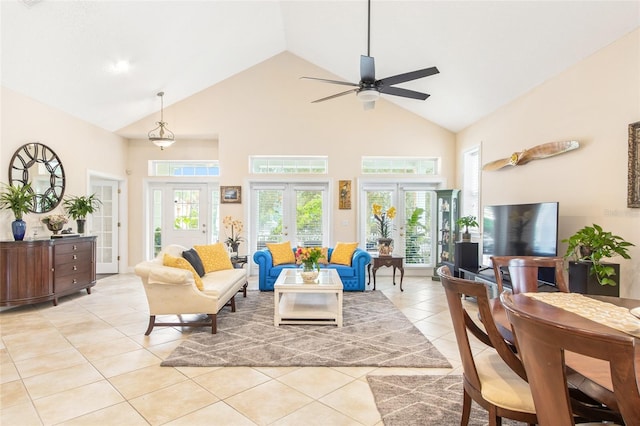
x=591, y=376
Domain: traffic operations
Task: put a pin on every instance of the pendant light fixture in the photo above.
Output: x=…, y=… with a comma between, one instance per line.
x=161, y=136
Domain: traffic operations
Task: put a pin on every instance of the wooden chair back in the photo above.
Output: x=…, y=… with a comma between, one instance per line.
x=455, y=289
x=523, y=271
x=542, y=344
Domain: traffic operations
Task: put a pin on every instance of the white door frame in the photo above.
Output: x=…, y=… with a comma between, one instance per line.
x=121, y=251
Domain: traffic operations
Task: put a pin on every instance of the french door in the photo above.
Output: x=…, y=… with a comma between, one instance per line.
x=295, y=212
x=104, y=224
x=182, y=213
x=414, y=222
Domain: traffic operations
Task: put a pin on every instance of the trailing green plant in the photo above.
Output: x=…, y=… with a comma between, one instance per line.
x=467, y=221
x=593, y=244
x=18, y=199
x=78, y=207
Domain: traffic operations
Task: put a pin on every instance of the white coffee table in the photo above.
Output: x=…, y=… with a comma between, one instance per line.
x=298, y=303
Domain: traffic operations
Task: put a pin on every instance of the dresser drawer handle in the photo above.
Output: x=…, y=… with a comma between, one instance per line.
x=75, y=247
x=75, y=256
x=75, y=281
x=75, y=268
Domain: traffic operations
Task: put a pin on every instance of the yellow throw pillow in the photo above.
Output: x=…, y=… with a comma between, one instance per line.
x=342, y=253
x=214, y=257
x=182, y=263
x=281, y=253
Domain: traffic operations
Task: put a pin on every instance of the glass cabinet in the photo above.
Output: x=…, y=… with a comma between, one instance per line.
x=446, y=227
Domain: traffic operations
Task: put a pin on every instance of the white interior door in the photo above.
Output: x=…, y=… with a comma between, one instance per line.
x=104, y=224
x=182, y=213
x=186, y=215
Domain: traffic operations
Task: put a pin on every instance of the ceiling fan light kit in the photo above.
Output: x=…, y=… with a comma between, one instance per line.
x=161, y=136
x=368, y=89
x=368, y=95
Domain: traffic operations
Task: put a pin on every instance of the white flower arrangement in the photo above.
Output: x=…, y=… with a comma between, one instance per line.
x=55, y=220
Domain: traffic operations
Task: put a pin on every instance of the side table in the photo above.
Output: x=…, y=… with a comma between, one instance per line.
x=238, y=262
x=392, y=261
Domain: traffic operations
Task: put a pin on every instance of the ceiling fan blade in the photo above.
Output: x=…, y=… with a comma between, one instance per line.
x=335, y=96
x=498, y=164
x=405, y=93
x=324, y=80
x=369, y=105
x=367, y=69
x=548, y=150
x=408, y=76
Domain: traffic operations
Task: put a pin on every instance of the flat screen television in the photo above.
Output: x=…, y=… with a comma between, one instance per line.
x=521, y=230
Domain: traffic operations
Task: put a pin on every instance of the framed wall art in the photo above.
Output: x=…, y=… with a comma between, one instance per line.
x=633, y=188
x=344, y=194
x=230, y=194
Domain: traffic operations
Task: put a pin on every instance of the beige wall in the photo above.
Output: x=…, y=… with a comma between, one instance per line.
x=592, y=102
x=82, y=147
x=267, y=110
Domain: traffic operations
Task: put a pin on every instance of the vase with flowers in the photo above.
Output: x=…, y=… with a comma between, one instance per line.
x=55, y=222
x=233, y=228
x=308, y=257
x=385, y=228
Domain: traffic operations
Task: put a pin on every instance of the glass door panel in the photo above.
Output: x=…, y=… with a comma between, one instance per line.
x=104, y=224
x=418, y=227
x=412, y=228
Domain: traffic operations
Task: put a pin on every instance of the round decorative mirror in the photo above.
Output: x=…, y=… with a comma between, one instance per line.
x=37, y=164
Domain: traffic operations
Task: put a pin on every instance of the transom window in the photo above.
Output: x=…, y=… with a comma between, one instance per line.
x=400, y=165
x=315, y=165
x=184, y=168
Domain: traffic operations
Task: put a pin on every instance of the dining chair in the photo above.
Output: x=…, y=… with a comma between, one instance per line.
x=523, y=272
x=495, y=378
x=542, y=343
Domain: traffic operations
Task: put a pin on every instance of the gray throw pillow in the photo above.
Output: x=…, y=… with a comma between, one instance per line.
x=192, y=257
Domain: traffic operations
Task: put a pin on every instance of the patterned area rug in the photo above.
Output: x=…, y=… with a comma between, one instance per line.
x=374, y=333
x=424, y=400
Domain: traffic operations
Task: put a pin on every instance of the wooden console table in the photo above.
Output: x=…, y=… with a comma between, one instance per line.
x=391, y=261
x=41, y=270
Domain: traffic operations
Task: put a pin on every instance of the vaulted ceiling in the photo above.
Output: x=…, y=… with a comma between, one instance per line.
x=70, y=54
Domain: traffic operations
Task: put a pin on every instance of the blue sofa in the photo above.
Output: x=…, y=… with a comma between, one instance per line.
x=352, y=277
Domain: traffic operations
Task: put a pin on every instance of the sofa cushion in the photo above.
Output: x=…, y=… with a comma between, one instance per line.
x=182, y=263
x=342, y=253
x=218, y=283
x=214, y=257
x=281, y=253
x=192, y=257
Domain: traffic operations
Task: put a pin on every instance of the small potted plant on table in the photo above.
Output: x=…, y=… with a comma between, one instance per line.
x=467, y=221
x=589, y=246
x=78, y=207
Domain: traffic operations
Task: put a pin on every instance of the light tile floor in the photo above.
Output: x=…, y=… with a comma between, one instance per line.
x=88, y=362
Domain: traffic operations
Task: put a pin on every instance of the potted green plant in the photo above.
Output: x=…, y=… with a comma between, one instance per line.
x=78, y=207
x=18, y=199
x=592, y=244
x=467, y=221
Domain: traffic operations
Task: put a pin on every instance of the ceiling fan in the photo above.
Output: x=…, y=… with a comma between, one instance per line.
x=368, y=90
